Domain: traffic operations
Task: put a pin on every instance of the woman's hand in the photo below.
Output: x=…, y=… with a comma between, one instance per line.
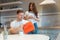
x=28, y=17
x=31, y=17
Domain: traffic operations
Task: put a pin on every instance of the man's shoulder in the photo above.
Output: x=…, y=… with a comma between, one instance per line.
x=25, y=21
x=13, y=21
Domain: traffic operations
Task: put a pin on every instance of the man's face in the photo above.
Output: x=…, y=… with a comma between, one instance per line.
x=20, y=15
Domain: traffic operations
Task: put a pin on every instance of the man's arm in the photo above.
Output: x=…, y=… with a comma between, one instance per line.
x=14, y=30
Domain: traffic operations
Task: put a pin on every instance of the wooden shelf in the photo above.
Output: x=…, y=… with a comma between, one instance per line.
x=11, y=3
x=14, y=16
x=11, y=9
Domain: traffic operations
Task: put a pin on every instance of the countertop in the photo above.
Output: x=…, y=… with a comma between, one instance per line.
x=52, y=27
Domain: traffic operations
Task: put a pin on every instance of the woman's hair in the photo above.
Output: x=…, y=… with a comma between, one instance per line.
x=33, y=8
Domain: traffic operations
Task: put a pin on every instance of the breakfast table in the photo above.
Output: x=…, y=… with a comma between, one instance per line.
x=25, y=37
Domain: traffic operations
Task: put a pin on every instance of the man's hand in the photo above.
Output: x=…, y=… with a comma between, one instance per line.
x=13, y=31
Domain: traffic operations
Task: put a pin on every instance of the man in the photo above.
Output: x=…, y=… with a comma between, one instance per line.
x=17, y=25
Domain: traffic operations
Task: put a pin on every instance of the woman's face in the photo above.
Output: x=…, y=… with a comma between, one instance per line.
x=31, y=7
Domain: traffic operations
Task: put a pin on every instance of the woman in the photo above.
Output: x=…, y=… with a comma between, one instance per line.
x=32, y=15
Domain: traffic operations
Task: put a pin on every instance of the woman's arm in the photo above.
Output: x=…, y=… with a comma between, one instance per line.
x=37, y=19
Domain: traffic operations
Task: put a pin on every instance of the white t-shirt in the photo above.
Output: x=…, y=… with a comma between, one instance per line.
x=16, y=24
x=31, y=14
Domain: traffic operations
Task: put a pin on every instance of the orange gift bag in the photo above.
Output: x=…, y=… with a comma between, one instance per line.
x=28, y=27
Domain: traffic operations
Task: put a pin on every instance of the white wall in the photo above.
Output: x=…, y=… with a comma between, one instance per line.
x=25, y=7
x=26, y=3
